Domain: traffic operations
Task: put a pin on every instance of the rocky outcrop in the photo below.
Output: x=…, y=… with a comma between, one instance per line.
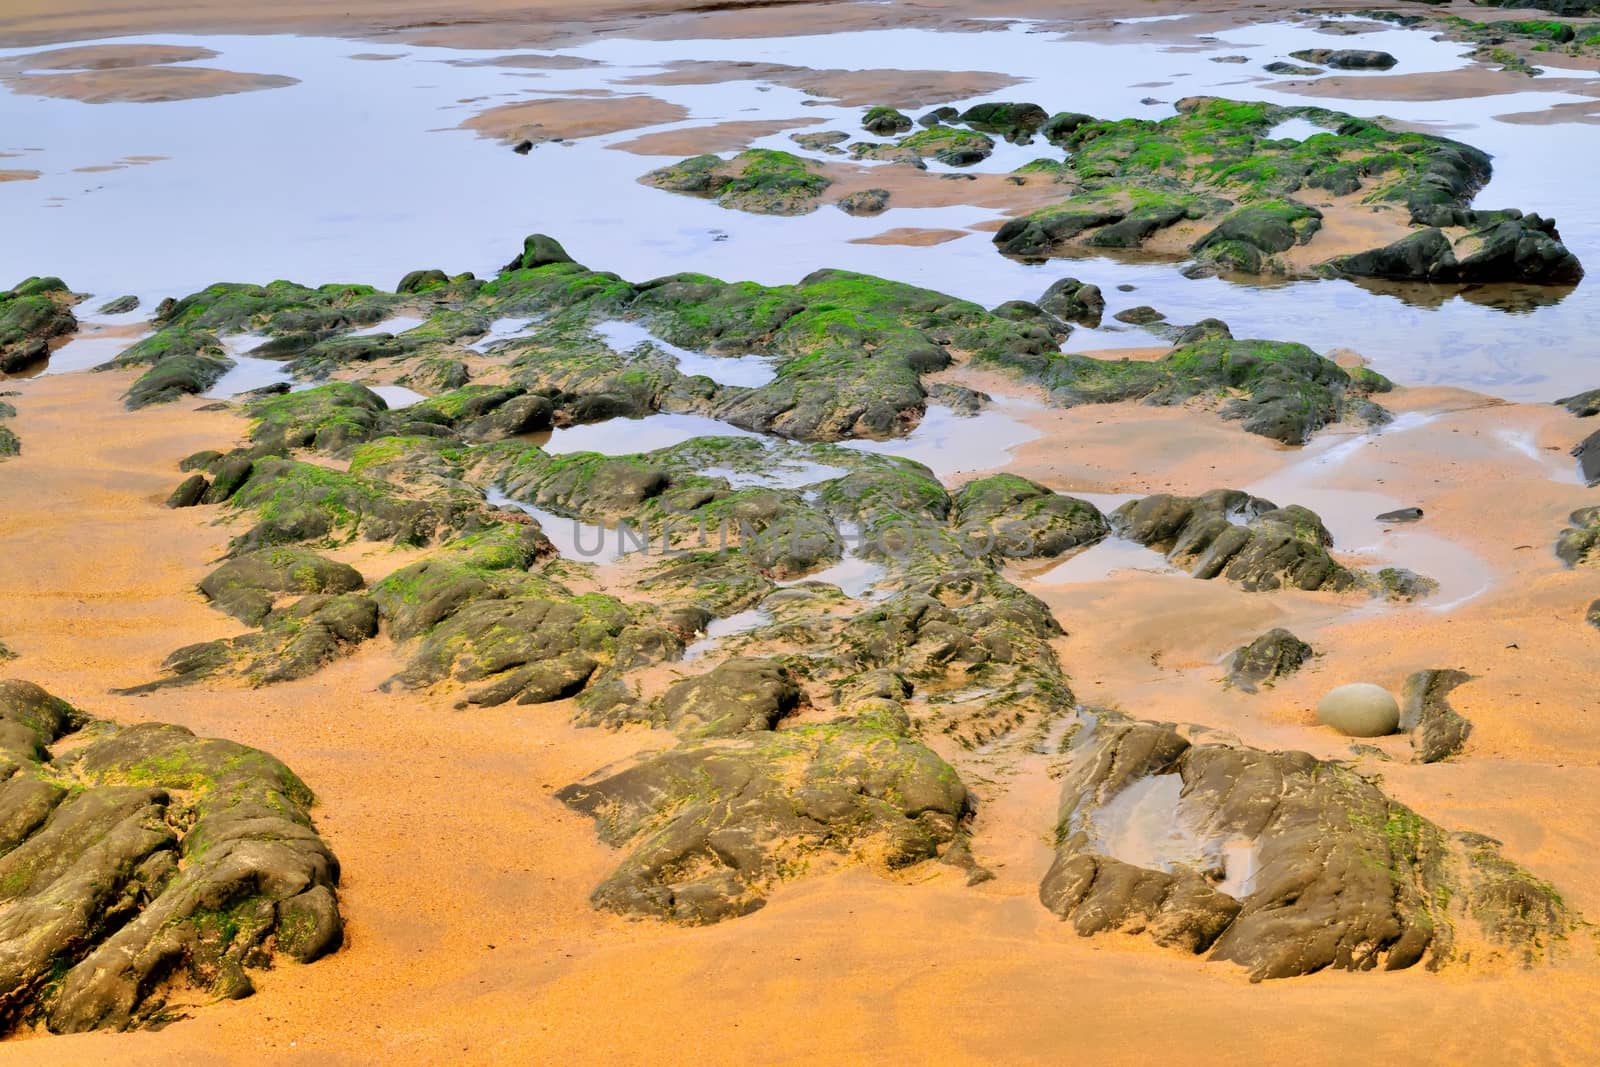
x=32, y=314
x=1230, y=534
x=1437, y=730
x=759, y=180
x=711, y=825
x=143, y=862
x=1273, y=655
x=1291, y=864
x=1346, y=58
x=1513, y=248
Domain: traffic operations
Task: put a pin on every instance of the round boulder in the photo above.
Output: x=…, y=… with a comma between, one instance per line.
x=1360, y=709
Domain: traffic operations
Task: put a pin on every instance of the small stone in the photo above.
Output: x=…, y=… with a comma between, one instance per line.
x=1139, y=316
x=1401, y=515
x=1360, y=709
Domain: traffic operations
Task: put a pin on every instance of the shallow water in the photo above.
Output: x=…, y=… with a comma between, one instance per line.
x=248, y=372
x=397, y=396
x=948, y=443
x=750, y=371
x=617, y=437
x=390, y=199
x=576, y=540
x=719, y=629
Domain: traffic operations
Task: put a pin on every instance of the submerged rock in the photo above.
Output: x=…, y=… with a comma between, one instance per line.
x=119, y=306
x=1262, y=662
x=1360, y=709
x=144, y=862
x=1346, y=58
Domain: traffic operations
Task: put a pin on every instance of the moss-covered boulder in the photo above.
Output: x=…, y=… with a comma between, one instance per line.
x=1021, y=519
x=247, y=585
x=32, y=314
x=764, y=181
x=712, y=826
x=1275, y=654
x=143, y=864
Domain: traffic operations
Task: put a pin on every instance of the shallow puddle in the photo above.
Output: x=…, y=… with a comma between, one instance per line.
x=617, y=437
x=949, y=443
x=248, y=372
x=750, y=371
x=576, y=540
x=720, y=629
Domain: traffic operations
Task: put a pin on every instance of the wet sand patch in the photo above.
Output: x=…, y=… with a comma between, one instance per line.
x=108, y=57
x=718, y=137
x=145, y=85
x=850, y=88
x=572, y=117
x=911, y=236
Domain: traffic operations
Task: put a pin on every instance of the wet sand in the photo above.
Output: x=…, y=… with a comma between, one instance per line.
x=144, y=85
x=572, y=117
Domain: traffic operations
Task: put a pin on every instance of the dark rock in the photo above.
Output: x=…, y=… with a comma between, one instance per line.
x=1344, y=877
x=1019, y=519
x=1269, y=548
x=1402, y=515
x=247, y=585
x=1291, y=68
x=1013, y=121
x=1588, y=453
x=885, y=122
x=865, y=202
x=32, y=314
x=539, y=251
x=189, y=492
x=171, y=865
x=1059, y=127
x=1437, y=730
x=1262, y=662
x=939, y=116
x=1142, y=315
x=522, y=148
x=1592, y=616
x=1074, y=301
x=735, y=697
x=120, y=306
x=421, y=281
x=1346, y=58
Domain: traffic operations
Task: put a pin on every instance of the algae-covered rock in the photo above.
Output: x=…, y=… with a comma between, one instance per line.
x=735, y=697
x=1262, y=662
x=885, y=121
x=1576, y=545
x=247, y=585
x=144, y=863
x=764, y=181
x=712, y=826
x=1339, y=875
x=1021, y=519
x=32, y=314
x=1230, y=534
x=865, y=202
x=1216, y=161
